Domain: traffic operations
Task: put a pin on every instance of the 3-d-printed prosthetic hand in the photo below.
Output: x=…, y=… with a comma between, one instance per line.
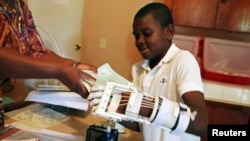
x=118, y=102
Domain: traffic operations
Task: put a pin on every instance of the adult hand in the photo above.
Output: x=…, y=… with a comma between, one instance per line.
x=70, y=72
x=73, y=77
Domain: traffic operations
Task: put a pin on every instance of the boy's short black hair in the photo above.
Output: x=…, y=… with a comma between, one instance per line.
x=160, y=12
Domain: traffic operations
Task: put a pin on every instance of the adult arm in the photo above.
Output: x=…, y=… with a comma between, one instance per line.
x=15, y=65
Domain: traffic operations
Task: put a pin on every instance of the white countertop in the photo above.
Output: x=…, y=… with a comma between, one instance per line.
x=227, y=93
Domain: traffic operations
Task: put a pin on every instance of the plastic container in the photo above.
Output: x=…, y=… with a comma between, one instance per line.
x=226, y=61
x=187, y=42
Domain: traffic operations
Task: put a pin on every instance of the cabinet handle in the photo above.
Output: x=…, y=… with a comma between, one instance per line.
x=224, y=1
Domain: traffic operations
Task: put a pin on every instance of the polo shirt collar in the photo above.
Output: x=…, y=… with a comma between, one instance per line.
x=171, y=53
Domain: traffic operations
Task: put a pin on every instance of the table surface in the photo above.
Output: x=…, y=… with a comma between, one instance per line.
x=78, y=123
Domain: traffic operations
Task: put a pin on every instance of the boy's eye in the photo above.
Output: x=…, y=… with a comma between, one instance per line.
x=136, y=36
x=147, y=33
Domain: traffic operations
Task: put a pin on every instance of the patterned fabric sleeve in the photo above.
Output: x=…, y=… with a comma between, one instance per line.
x=28, y=42
x=24, y=40
x=36, y=45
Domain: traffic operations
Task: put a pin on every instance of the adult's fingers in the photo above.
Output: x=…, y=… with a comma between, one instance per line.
x=87, y=67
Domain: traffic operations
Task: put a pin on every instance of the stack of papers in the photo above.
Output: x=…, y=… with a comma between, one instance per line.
x=66, y=99
x=60, y=95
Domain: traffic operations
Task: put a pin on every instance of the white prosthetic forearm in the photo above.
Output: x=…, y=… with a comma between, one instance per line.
x=171, y=115
x=165, y=113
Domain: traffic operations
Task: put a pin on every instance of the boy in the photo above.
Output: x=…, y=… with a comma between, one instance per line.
x=169, y=73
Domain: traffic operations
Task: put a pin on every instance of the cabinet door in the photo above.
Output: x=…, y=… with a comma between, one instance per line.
x=195, y=13
x=221, y=113
x=233, y=15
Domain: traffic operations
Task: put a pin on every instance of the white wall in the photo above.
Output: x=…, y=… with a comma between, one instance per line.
x=63, y=19
x=112, y=20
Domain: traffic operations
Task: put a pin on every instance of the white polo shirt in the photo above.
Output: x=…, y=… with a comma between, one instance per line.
x=177, y=73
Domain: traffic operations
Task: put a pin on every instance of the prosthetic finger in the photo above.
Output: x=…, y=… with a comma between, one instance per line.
x=94, y=102
x=97, y=88
x=94, y=109
x=95, y=95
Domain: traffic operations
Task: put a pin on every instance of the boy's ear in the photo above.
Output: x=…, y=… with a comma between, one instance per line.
x=170, y=31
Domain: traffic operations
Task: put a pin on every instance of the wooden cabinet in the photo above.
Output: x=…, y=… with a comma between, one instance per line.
x=195, y=13
x=230, y=15
x=233, y=15
x=221, y=113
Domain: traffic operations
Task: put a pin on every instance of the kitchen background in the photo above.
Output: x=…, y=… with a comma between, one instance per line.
x=100, y=31
x=97, y=31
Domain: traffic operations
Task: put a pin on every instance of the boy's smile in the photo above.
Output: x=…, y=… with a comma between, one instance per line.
x=151, y=39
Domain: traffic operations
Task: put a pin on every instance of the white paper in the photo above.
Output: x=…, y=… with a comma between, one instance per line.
x=52, y=88
x=66, y=99
x=29, y=134
x=37, y=116
x=40, y=119
x=106, y=74
x=59, y=95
